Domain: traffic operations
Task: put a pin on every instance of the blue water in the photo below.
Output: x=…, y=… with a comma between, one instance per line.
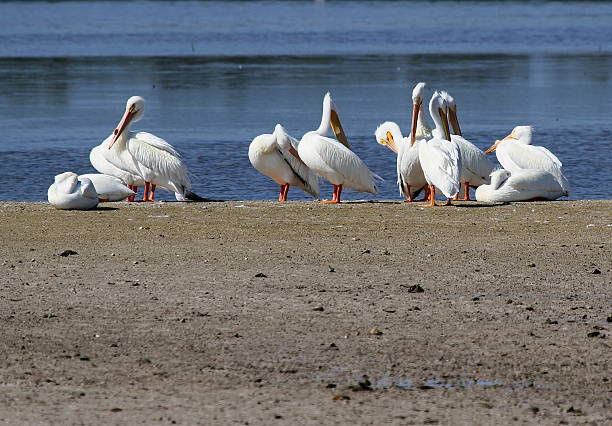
x=216, y=74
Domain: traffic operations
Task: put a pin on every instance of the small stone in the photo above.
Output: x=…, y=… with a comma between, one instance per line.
x=331, y=269
x=416, y=288
x=532, y=265
x=375, y=331
x=330, y=385
x=609, y=319
x=116, y=409
x=593, y=334
x=67, y=253
x=341, y=398
x=319, y=309
x=596, y=272
x=390, y=310
x=549, y=321
x=261, y=275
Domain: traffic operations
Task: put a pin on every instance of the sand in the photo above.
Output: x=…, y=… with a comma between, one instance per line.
x=262, y=313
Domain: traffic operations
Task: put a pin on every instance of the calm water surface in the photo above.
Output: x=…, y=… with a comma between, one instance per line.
x=216, y=74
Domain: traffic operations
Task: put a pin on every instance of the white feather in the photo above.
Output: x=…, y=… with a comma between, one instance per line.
x=68, y=193
x=108, y=187
x=520, y=185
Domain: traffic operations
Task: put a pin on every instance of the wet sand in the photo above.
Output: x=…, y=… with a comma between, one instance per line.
x=261, y=313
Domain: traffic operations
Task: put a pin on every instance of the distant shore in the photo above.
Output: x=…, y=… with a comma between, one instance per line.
x=267, y=313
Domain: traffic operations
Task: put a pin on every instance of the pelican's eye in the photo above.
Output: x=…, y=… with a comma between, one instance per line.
x=132, y=108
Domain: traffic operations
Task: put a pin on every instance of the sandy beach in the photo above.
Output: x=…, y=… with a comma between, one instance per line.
x=261, y=313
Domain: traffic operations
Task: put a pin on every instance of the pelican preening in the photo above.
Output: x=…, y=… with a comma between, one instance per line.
x=275, y=155
x=144, y=157
x=109, y=188
x=520, y=185
x=333, y=159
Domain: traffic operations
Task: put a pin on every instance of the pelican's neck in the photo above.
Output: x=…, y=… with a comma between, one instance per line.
x=325, y=117
x=422, y=124
x=438, y=132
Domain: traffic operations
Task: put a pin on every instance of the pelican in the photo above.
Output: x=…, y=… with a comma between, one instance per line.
x=515, y=152
x=475, y=166
x=275, y=155
x=520, y=185
x=410, y=177
x=109, y=188
x=333, y=159
x=68, y=192
x=147, y=156
x=440, y=157
x=101, y=164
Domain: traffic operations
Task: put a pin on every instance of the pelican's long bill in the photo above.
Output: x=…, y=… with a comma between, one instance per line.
x=494, y=146
x=454, y=121
x=125, y=120
x=389, y=142
x=415, y=116
x=334, y=120
x=444, y=124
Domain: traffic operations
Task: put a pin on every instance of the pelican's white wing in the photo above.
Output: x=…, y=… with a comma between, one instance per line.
x=159, y=161
x=535, y=180
x=336, y=163
x=307, y=180
x=476, y=167
x=515, y=156
x=441, y=163
x=409, y=170
x=108, y=187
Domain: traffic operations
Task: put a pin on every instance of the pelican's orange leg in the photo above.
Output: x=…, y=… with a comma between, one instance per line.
x=135, y=189
x=336, y=198
x=425, y=193
x=145, y=196
x=448, y=202
x=466, y=194
x=152, y=194
x=432, y=197
x=285, y=192
x=282, y=195
x=410, y=199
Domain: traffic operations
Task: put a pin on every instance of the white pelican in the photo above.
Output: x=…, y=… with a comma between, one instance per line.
x=410, y=177
x=101, y=164
x=68, y=192
x=148, y=156
x=109, y=188
x=332, y=158
x=475, y=166
x=520, y=185
x=275, y=155
x=440, y=157
x=515, y=152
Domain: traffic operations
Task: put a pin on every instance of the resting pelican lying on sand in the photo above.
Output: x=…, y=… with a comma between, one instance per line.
x=515, y=153
x=333, y=158
x=275, y=155
x=520, y=185
x=69, y=193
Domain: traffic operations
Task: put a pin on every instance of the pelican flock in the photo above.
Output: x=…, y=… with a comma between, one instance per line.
x=434, y=162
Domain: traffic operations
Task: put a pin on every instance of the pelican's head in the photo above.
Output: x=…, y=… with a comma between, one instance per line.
x=498, y=177
x=449, y=100
x=389, y=134
x=66, y=182
x=521, y=134
x=282, y=139
x=134, y=110
x=438, y=109
x=418, y=93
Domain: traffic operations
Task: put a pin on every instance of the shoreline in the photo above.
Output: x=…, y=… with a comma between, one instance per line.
x=260, y=312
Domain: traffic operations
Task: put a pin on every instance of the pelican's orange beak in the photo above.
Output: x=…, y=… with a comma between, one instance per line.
x=494, y=146
x=125, y=120
x=415, y=117
x=454, y=121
